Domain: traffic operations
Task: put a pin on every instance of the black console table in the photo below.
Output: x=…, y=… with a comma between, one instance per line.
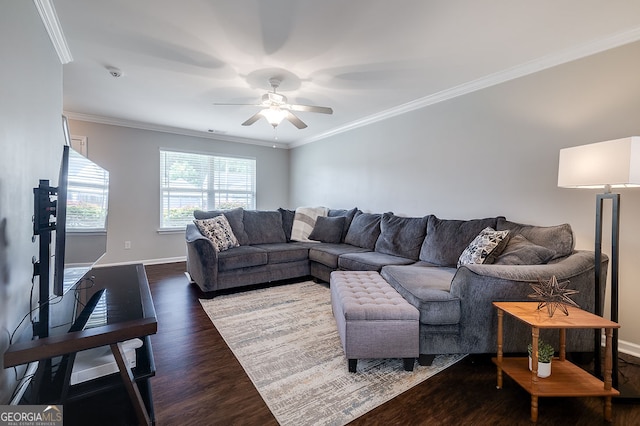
x=129, y=314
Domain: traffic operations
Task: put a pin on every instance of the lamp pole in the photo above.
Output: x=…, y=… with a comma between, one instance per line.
x=615, y=251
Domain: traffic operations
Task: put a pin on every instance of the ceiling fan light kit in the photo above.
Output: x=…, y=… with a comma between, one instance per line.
x=274, y=115
x=276, y=109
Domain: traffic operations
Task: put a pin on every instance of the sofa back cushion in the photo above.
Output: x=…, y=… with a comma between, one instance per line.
x=558, y=238
x=264, y=227
x=447, y=239
x=401, y=236
x=287, y=221
x=364, y=230
x=235, y=218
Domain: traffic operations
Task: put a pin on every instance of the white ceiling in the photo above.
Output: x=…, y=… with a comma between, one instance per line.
x=367, y=59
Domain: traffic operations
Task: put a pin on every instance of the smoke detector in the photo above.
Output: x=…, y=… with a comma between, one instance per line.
x=115, y=72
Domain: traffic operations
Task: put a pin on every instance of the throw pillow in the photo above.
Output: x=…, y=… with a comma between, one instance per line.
x=218, y=230
x=401, y=236
x=364, y=230
x=235, y=218
x=304, y=221
x=558, y=238
x=485, y=247
x=328, y=229
x=520, y=251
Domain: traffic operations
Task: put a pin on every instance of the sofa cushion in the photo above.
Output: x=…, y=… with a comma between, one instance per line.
x=447, y=239
x=263, y=227
x=364, y=230
x=284, y=252
x=241, y=257
x=370, y=261
x=558, y=238
x=347, y=214
x=235, y=218
x=426, y=288
x=485, y=247
x=520, y=251
x=304, y=221
x=401, y=236
x=328, y=254
x=287, y=221
x=328, y=229
x=218, y=230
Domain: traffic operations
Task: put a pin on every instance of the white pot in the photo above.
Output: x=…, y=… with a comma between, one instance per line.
x=544, y=368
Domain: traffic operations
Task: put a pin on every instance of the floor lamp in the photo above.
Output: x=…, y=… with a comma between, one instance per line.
x=604, y=165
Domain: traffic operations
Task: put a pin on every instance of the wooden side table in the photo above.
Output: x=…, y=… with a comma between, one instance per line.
x=566, y=378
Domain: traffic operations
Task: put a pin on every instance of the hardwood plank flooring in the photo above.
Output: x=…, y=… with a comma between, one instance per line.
x=200, y=382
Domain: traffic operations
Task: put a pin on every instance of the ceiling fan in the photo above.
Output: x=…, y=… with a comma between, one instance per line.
x=275, y=108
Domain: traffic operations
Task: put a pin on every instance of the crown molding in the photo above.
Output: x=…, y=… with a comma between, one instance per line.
x=545, y=62
x=168, y=129
x=52, y=24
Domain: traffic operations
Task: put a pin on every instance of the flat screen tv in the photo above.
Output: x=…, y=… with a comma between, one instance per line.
x=81, y=218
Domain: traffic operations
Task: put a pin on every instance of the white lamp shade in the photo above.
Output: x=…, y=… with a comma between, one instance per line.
x=614, y=163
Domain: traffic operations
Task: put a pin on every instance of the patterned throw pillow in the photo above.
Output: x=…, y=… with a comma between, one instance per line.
x=218, y=230
x=485, y=247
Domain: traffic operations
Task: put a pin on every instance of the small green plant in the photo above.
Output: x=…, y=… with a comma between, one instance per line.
x=545, y=351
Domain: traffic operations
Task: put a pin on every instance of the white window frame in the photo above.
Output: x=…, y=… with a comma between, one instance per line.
x=210, y=191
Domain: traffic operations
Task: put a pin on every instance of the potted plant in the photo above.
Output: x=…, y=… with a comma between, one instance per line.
x=545, y=354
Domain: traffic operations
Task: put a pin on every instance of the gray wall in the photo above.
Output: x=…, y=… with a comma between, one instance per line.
x=132, y=157
x=492, y=152
x=31, y=142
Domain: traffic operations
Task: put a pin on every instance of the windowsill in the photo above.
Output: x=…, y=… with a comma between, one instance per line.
x=162, y=231
x=86, y=232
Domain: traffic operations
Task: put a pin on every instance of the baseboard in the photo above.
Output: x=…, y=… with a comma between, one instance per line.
x=145, y=262
x=629, y=348
x=626, y=347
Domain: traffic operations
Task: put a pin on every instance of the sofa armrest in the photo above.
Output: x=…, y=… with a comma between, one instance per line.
x=202, y=259
x=564, y=269
x=513, y=282
x=478, y=285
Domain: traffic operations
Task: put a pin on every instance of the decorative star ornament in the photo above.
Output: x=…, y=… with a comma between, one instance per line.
x=553, y=295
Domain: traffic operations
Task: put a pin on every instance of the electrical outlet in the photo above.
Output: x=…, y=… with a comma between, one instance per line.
x=127, y=245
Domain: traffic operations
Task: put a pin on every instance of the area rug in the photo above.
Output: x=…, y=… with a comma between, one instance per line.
x=286, y=339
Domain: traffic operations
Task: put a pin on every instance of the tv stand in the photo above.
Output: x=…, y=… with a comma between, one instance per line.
x=129, y=314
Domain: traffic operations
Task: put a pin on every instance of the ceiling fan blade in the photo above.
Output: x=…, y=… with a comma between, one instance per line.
x=295, y=120
x=311, y=108
x=255, y=117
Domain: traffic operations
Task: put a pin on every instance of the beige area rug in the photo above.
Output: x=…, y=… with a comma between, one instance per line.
x=286, y=339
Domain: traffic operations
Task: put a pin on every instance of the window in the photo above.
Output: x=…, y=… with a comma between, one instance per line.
x=87, y=195
x=191, y=182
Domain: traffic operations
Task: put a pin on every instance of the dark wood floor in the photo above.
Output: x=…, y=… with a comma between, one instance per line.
x=200, y=382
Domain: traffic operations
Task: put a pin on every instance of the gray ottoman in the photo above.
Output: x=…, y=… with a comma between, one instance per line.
x=374, y=321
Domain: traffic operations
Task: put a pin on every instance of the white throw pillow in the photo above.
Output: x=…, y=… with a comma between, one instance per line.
x=219, y=231
x=485, y=247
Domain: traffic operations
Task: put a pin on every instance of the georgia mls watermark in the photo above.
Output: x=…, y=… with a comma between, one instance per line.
x=30, y=415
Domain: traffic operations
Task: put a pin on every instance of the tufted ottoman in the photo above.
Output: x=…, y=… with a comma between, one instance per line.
x=374, y=321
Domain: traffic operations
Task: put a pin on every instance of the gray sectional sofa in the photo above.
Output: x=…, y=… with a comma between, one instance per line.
x=419, y=257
